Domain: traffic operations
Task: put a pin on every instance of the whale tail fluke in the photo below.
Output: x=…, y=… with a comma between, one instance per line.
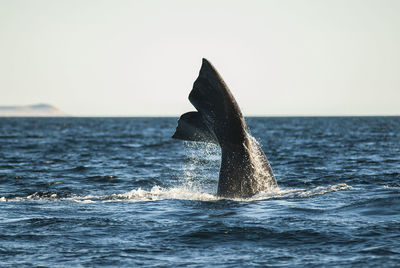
x=244, y=169
x=191, y=127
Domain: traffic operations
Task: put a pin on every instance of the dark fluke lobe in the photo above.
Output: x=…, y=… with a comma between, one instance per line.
x=245, y=170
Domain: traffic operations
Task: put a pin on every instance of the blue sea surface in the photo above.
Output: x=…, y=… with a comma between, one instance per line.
x=119, y=192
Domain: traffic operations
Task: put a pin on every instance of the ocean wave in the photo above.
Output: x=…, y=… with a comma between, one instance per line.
x=158, y=193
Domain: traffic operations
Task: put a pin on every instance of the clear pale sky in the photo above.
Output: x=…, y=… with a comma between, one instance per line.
x=100, y=58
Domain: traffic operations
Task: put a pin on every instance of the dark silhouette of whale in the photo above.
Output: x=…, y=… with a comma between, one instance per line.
x=245, y=170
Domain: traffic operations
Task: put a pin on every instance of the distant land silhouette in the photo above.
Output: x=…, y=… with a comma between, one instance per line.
x=31, y=110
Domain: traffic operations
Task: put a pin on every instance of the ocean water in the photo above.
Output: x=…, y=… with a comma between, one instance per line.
x=119, y=192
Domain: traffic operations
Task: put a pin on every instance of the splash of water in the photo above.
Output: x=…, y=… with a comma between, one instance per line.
x=263, y=180
x=200, y=171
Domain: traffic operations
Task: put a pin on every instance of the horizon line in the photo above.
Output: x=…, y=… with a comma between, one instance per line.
x=177, y=116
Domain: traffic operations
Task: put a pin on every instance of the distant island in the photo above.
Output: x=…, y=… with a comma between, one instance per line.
x=31, y=110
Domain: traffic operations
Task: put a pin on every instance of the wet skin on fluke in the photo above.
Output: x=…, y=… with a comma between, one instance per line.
x=245, y=170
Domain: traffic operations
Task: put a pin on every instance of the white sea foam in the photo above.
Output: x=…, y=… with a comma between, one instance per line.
x=158, y=193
